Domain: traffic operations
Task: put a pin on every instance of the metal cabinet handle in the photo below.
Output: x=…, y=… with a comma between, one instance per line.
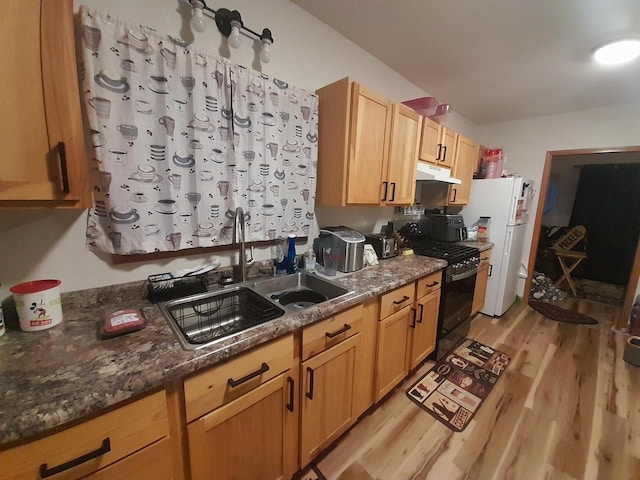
x=346, y=328
x=393, y=191
x=398, y=302
x=386, y=187
x=421, y=312
x=455, y=194
x=309, y=394
x=234, y=383
x=439, y=152
x=48, y=472
x=444, y=153
x=291, y=392
x=490, y=270
x=413, y=320
x=62, y=153
x=432, y=284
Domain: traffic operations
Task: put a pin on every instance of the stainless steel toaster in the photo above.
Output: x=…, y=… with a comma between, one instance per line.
x=346, y=242
x=384, y=245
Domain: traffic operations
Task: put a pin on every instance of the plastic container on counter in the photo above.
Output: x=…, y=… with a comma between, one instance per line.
x=483, y=229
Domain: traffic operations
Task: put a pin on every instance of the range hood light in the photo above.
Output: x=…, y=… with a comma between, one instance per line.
x=426, y=172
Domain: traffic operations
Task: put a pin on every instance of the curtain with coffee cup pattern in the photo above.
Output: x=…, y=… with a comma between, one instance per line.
x=181, y=138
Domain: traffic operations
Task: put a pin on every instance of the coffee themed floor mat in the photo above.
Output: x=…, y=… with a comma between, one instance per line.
x=455, y=388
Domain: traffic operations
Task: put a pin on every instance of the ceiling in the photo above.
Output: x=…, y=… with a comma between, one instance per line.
x=496, y=60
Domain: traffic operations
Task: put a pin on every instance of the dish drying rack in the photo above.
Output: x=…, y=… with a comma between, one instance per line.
x=164, y=286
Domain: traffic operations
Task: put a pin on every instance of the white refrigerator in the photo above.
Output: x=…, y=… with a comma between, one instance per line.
x=507, y=202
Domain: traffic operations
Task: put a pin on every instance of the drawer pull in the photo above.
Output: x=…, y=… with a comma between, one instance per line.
x=421, y=312
x=234, y=383
x=291, y=392
x=431, y=285
x=48, y=472
x=346, y=328
x=413, y=320
x=309, y=394
x=63, y=167
x=398, y=302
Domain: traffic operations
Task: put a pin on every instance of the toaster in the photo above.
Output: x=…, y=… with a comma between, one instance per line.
x=384, y=245
x=346, y=242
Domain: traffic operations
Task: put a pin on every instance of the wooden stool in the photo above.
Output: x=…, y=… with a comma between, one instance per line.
x=567, y=269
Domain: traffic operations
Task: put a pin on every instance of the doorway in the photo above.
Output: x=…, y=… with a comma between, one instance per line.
x=566, y=161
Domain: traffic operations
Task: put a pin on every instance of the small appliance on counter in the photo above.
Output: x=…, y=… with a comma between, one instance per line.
x=347, y=244
x=384, y=245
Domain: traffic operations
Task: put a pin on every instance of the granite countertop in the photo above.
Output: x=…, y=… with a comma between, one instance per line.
x=482, y=246
x=67, y=373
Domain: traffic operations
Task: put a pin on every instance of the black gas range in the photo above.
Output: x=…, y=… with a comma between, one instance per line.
x=454, y=317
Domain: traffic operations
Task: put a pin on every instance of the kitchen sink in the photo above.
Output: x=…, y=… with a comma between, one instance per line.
x=298, y=291
x=203, y=319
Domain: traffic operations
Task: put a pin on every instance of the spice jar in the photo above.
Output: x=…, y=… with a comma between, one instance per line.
x=483, y=229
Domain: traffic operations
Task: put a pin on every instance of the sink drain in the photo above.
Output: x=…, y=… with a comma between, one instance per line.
x=302, y=298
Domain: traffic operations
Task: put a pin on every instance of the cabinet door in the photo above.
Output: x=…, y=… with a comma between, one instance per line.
x=253, y=437
x=327, y=397
x=403, y=156
x=39, y=108
x=369, y=145
x=466, y=157
x=391, y=364
x=430, y=147
x=423, y=335
x=481, y=282
x=448, y=139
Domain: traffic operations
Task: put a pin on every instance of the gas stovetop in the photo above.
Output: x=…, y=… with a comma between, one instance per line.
x=459, y=257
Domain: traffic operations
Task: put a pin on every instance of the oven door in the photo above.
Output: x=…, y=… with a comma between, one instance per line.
x=455, y=310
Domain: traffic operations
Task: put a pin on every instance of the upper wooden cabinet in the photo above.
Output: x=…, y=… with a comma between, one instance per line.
x=42, y=160
x=437, y=144
x=463, y=167
x=368, y=147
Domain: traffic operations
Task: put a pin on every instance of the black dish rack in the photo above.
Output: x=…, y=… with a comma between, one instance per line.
x=164, y=286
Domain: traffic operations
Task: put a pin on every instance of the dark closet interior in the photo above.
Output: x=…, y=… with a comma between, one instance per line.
x=607, y=203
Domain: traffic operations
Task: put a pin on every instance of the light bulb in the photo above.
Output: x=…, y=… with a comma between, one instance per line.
x=234, y=36
x=265, y=53
x=197, y=20
x=618, y=52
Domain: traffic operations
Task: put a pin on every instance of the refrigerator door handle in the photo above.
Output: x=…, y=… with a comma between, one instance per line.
x=507, y=244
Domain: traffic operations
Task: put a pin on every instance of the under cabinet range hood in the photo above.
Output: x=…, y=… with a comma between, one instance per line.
x=435, y=173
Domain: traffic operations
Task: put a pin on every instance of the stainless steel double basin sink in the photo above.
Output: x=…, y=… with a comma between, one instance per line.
x=207, y=318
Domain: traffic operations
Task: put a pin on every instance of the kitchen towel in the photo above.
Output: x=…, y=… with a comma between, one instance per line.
x=180, y=138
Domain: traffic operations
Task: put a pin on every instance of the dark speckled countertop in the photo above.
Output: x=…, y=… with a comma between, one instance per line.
x=66, y=373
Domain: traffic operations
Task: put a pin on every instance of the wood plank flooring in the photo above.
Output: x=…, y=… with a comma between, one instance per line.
x=568, y=407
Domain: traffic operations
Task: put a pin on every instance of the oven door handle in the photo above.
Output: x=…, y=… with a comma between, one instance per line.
x=462, y=276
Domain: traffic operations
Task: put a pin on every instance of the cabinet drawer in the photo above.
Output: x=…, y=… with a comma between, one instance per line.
x=485, y=257
x=150, y=463
x=428, y=284
x=318, y=337
x=395, y=300
x=119, y=433
x=212, y=388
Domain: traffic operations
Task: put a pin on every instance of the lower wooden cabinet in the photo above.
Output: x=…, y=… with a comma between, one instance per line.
x=252, y=437
x=425, y=325
x=391, y=363
x=327, y=397
x=481, y=282
x=113, y=445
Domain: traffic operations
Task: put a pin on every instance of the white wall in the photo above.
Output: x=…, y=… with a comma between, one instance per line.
x=306, y=52
x=526, y=142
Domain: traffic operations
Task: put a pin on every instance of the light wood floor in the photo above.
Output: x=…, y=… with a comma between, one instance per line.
x=567, y=407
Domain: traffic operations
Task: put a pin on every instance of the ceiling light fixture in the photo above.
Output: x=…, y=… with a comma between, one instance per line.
x=618, y=52
x=229, y=23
